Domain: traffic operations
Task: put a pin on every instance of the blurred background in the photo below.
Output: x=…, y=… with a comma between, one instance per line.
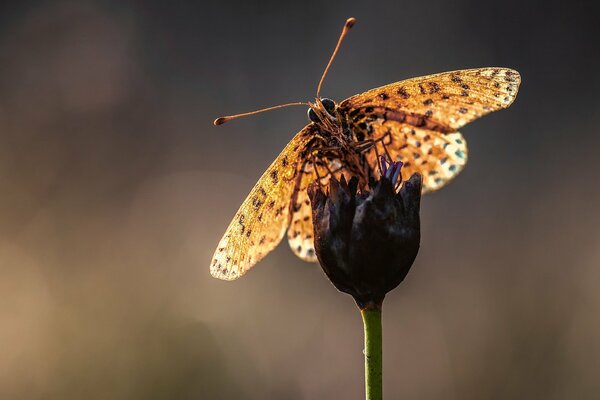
x=116, y=188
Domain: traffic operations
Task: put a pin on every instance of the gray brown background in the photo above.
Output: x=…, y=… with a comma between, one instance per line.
x=115, y=189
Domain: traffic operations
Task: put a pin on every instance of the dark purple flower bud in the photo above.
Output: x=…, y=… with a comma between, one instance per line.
x=367, y=241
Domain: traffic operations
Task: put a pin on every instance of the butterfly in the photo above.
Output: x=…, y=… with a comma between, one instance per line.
x=415, y=121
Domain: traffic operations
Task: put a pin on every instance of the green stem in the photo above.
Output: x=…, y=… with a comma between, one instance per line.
x=373, y=355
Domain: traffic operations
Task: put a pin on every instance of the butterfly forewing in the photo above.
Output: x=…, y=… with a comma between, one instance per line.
x=448, y=100
x=264, y=216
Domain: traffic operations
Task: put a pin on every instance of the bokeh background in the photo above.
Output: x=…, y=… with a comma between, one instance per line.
x=115, y=189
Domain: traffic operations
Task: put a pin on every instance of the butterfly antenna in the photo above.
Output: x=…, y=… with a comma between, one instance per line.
x=349, y=24
x=222, y=120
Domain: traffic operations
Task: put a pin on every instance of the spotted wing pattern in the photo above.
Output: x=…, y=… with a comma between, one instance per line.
x=264, y=216
x=416, y=120
x=437, y=157
x=300, y=232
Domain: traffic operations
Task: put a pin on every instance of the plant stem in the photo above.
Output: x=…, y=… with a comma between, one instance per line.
x=373, y=355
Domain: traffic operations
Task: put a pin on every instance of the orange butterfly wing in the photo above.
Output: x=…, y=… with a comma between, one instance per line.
x=416, y=120
x=260, y=223
x=300, y=232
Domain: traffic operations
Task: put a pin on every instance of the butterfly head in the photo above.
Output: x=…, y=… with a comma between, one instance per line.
x=323, y=112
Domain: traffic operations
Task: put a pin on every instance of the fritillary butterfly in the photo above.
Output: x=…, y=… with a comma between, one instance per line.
x=415, y=121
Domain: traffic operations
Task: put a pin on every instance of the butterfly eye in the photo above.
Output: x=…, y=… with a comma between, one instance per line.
x=312, y=115
x=329, y=105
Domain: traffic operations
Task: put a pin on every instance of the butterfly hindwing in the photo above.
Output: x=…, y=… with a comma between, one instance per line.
x=264, y=216
x=437, y=157
x=300, y=233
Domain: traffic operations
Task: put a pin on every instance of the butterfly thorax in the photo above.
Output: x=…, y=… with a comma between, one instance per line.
x=335, y=144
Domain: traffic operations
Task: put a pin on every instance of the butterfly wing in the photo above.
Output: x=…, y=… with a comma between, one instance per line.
x=264, y=216
x=437, y=157
x=416, y=120
x=300, y=233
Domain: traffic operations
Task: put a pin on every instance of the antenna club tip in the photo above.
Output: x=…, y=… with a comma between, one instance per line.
x=350, y=22
x=220, y=121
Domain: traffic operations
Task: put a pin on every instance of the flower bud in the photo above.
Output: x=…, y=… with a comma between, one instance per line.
x=367, y=241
